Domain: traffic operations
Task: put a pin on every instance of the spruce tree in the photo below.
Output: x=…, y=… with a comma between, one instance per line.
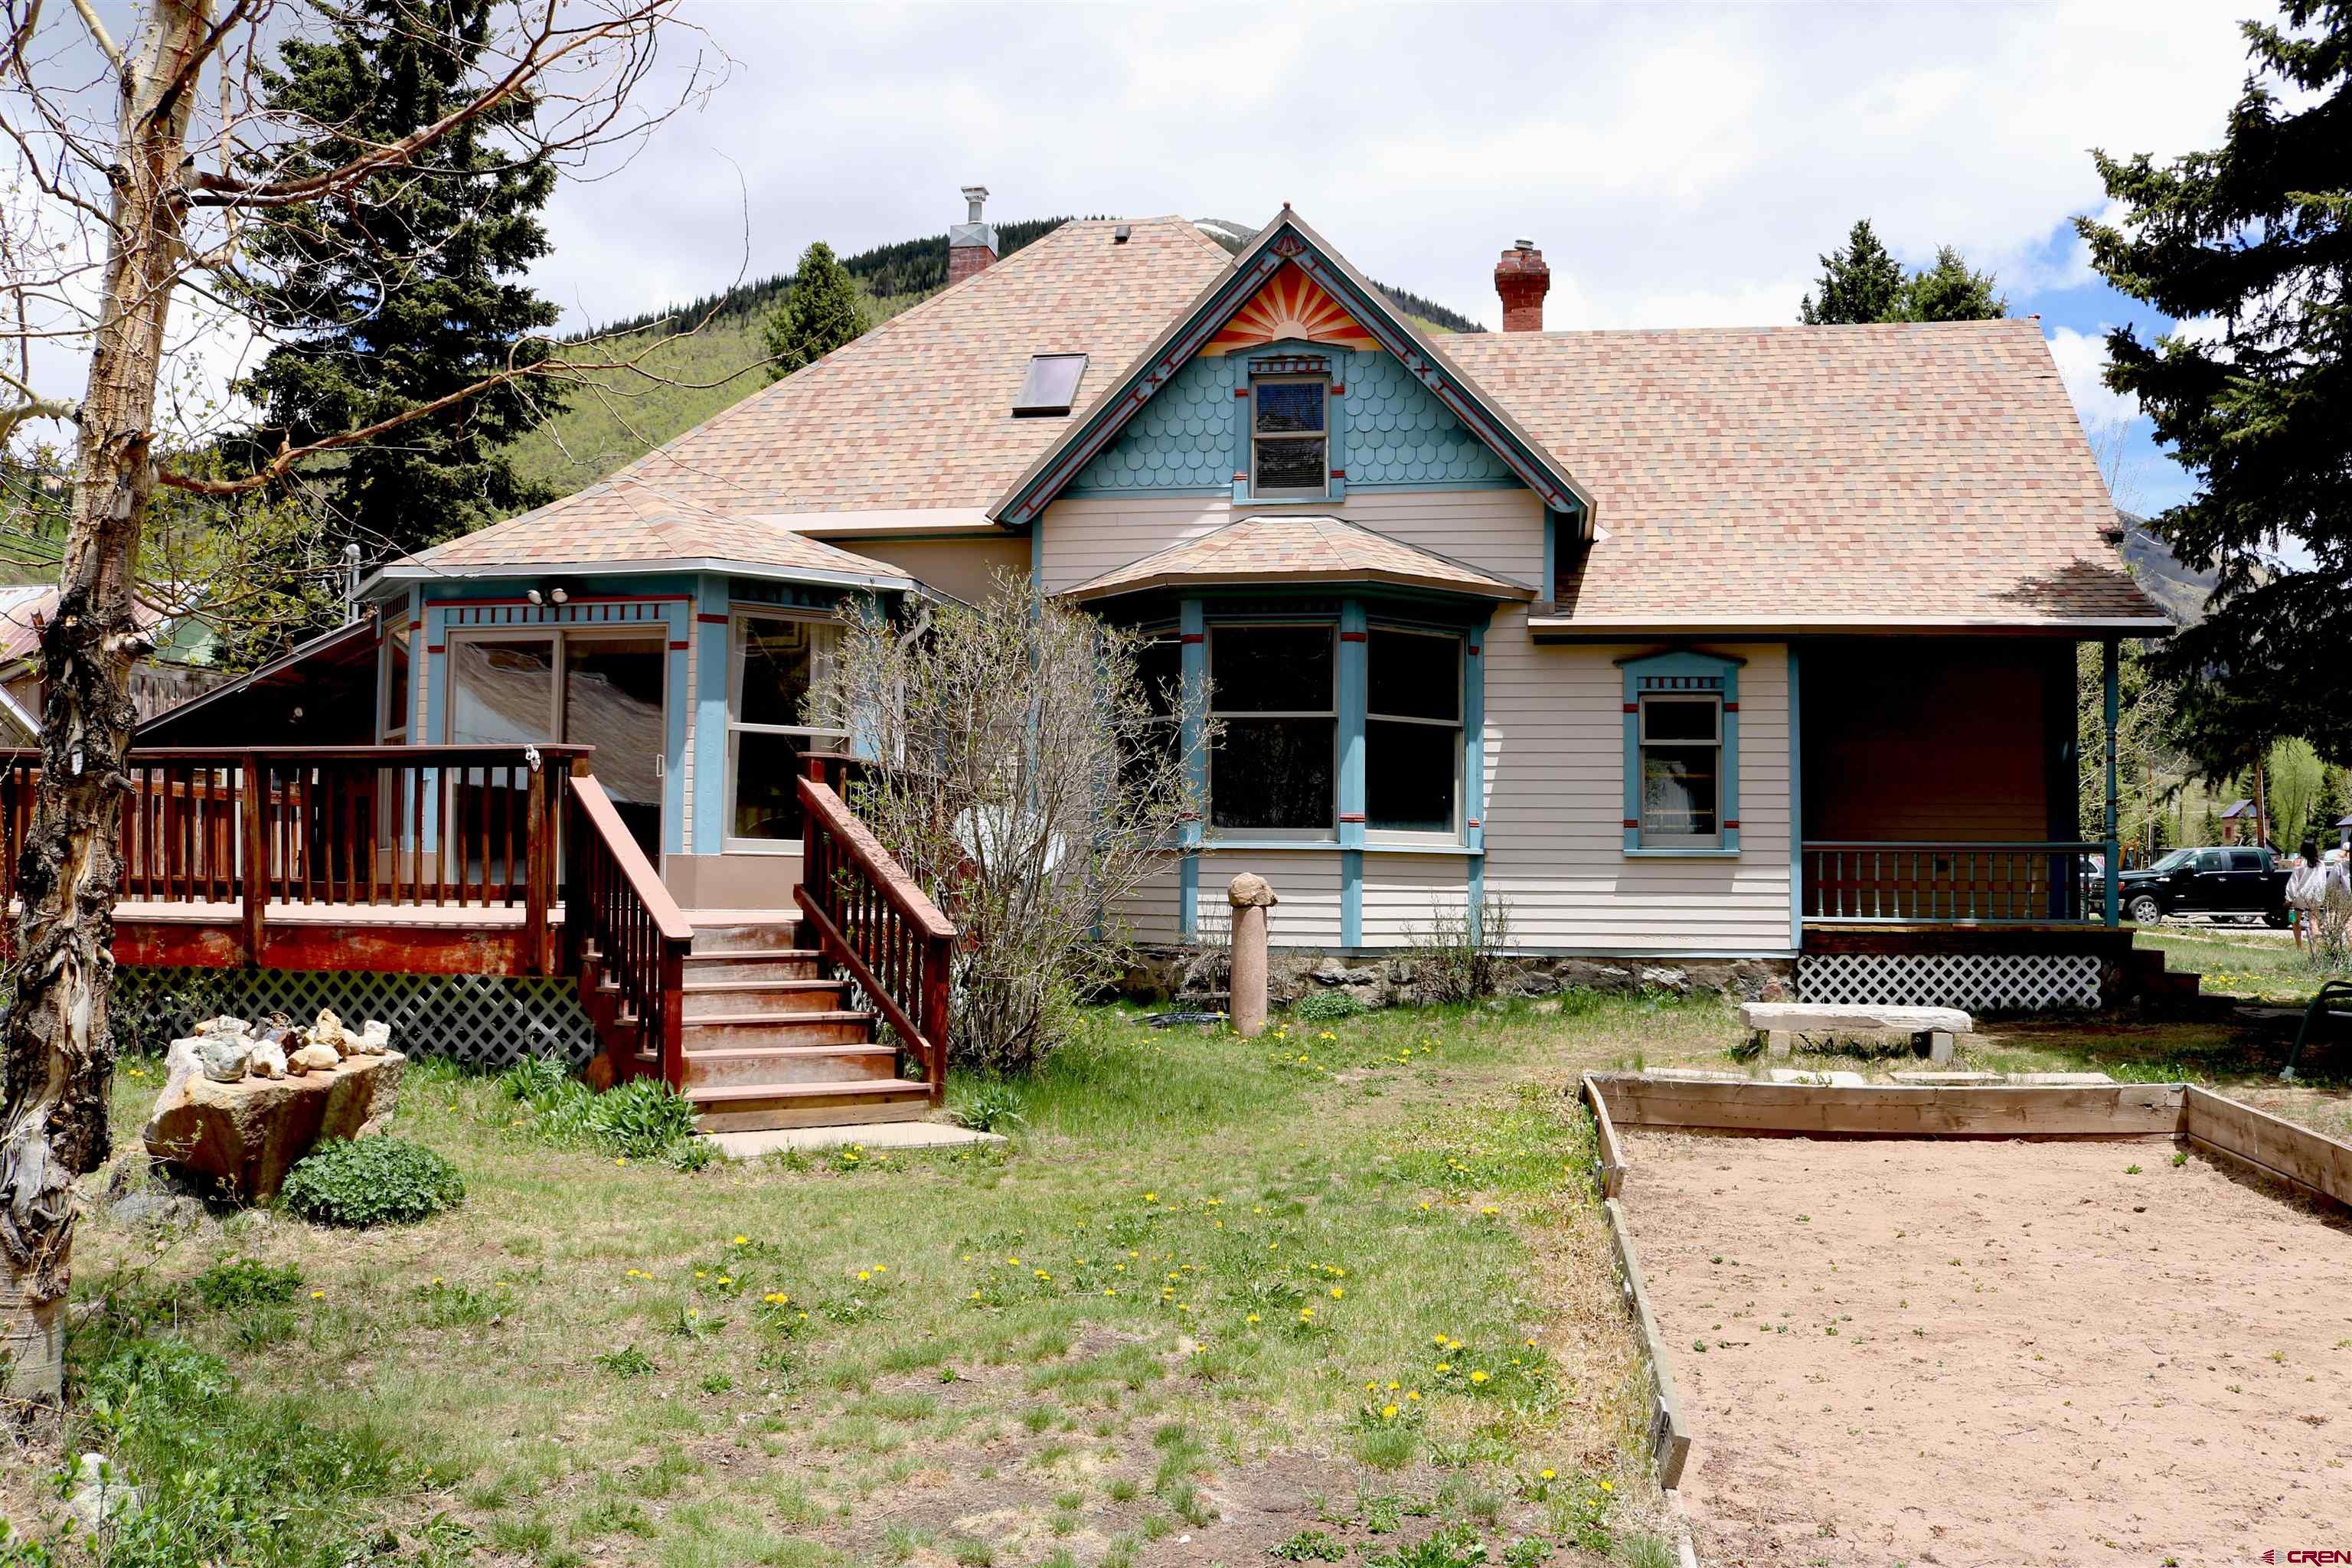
x=1949, y=291
x=2253, y=241
x=406, y=293
x=1860, y=283
x=817, y=314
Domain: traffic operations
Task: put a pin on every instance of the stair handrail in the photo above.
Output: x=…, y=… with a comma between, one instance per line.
x=614, y=896
x=873, y=920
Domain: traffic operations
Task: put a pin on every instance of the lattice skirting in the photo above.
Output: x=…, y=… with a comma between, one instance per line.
x=482, y=1020
x=1980, y=982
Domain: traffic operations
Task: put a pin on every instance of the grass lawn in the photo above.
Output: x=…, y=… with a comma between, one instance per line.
x=1317, y=1296
x=2264, y=966
x=1333, y=1290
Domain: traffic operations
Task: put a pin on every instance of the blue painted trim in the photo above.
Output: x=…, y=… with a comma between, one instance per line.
x=1474, y=734
x=1351, y=897
x=1695, y=854
x=1187, y=893
x=1354, y=685
x=711, y=654
x=1037, y=555
x=1796, y=811
x=1722, y=669
x=1341, y=490
x=1237, y=452
x=1547, y=591
x=1193, y=652
x=676, y=629
x=1292, y=845
x=1474, y=892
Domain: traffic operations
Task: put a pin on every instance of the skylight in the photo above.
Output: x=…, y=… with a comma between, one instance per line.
x=1052, y=385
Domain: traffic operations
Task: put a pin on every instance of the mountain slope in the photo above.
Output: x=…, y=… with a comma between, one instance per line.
x=692, y=374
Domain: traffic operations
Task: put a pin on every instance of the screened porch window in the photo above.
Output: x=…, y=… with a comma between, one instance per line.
x=1412, y=733
x=1682, y=770
x=1272, y=694
x=1287, y=438
x=774, y=660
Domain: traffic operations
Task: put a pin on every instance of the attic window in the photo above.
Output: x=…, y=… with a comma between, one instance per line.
x=1052, y=385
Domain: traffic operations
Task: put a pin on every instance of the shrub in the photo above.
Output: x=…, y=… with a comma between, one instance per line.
x=644, y=1118
x=1326, y=1006
x=362, y=1181
x=990, y=1105
x=1460, y=959
x=239, y=1283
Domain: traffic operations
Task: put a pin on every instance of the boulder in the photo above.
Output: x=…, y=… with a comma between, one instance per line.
x=267, y=1060
x=224, y=1058
x=313, y=1058
x=103, y=1495
x=243, y=1137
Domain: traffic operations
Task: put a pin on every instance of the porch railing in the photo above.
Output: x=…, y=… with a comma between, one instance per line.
x=2018, y=883
x=871, y=919
x=416, y=826
x=622, y=929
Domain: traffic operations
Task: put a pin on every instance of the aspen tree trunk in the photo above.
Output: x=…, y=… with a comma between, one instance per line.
x=59, y=1041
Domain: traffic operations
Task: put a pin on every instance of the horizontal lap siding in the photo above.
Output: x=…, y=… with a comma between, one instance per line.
x=1405, y=895
x=1554, y=763
x=1306, y=880
x=1149, y=912
x=962, y=569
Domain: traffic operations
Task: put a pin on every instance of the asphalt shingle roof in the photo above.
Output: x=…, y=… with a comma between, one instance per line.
x=624, y=520
x=1920, y=473
x=1298, y=548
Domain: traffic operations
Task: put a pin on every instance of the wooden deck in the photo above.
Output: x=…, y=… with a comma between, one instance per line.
x=384, y=939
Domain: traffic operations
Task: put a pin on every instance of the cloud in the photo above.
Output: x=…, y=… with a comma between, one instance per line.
x=2081, y=364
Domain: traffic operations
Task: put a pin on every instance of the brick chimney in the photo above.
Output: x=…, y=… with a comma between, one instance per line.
x=972, y=244
x=1522, y=279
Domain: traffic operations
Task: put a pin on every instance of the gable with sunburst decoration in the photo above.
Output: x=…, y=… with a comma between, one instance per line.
x=1291, y=307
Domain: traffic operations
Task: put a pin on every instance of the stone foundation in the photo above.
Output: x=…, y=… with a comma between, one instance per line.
x=1197, y=974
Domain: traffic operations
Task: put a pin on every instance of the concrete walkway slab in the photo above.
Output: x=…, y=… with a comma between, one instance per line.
x=870, y=1135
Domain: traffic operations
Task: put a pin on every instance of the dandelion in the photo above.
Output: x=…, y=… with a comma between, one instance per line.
x=1043, y=1275
x=1607, y=1487
x=1546, y=1475
x=1251, y=1319
x=1477, y=1377
x=881, y=1268
x=436, y=1280
x=739, y=1241
x=1413, y=1393
x=1110, y=1292
x=1441, y=1341
x=1394, y=1386
x=1490, y=1211
x=1151, y=1197
x=863, y=1274
x=318, y=1295
x=1446, y=1366
x=620, y=1159
x=1337, y=1292
x=726, y=1280
x=1388, y=1412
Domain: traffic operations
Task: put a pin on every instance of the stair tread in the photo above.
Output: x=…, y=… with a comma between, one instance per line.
x=753, y=956
x=707, y=1053
x=871, y=1088
x=721, y=987
x=813, y=1016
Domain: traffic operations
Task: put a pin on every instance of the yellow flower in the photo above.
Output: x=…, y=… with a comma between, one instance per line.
x=881, y=1268
x=725, y=1280
x=1337, y=1292
x=739, y=1241
x=1151, y=1197
x=1108, y=1292
x=1394, y=1386
x=1477, y=1377
x=1607, y=1487
x=862, y=1274
x=436, y=1280
x=620, y=1159
x=1544, y=1475
x=1441, y=1341
x=1490, y=1211
x=1388, y=1412
x=318, y=1295
x=1446, y=1366
x=1251, y=1319
x=1413, y=1393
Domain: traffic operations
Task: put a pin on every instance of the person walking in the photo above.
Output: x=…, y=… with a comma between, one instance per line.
x=2306, y=890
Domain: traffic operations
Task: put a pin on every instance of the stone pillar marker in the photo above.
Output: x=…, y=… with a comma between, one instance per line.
x=1250, y=897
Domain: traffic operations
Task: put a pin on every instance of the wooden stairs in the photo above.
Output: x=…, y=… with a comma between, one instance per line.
x=771, y=1039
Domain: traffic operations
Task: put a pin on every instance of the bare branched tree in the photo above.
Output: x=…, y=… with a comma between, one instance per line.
x=1034, y=783
x=141, y=173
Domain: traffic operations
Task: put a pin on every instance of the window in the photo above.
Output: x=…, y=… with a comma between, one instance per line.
x=1159, y=666
x=1412, y=733
x=1682, y=753
x=1052, y=385
x=773, y=661
x=1288, y=443
x=2213, y=860
x=1682, y=768
x=1271, y=693
x=2245, y=860
x=394, y=726
x=586, y=686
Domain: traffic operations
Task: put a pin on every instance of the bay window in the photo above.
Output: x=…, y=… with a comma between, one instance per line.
x=1273, y=695
x=1412, y=733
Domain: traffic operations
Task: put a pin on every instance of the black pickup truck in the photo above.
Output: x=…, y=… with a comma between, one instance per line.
x=2233, y=883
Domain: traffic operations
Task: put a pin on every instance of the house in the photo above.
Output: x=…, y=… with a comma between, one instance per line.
x=170, y=675
x=2239, y=821
x=1728, y=647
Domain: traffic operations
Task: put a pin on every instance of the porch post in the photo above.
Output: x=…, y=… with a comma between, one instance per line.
x=2111, y=676
x=1192, y=633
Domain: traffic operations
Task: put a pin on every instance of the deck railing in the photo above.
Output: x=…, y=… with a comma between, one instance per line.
x=2019, y=883
x=443, y=826
x=621, y=926
x=871, y=919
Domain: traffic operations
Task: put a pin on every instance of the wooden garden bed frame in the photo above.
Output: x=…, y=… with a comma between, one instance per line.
x=2313, y=1165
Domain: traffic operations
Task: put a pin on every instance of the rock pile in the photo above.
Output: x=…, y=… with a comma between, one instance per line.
x=242, y=1102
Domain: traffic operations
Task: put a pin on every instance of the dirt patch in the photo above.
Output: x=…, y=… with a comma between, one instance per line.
x=1997, y=1354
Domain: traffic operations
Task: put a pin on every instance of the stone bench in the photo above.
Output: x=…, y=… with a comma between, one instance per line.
x=1780, y=1023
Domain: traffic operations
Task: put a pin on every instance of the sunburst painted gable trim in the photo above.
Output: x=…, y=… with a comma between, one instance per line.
x=1291, y=307
x=1287, y=241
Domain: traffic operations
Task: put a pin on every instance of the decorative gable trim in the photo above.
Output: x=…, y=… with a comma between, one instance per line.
x=1291, y=305
x=1286, y=243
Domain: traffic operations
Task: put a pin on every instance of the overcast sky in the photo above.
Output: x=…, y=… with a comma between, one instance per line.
x=1679, y=165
